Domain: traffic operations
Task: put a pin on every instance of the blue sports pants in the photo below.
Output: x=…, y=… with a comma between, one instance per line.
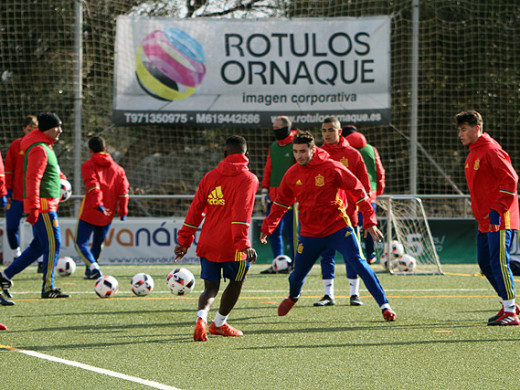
x=344, y=241
x=46, y=242
x=276, y=238
x=493, y=250
x=83, y=232
x=328, y=262
x=13, y=215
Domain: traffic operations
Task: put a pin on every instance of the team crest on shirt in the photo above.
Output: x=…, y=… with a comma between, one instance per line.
x=476, y=166
x=300, y=248
x=216, y=198
x=319, y=181
x=55, y=223
x=344, y=161
x=299, y=182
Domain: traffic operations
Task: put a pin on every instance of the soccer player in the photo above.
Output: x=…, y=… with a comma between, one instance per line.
x=106, y=191
x=492, y=183
x=225, y=197
x=41, y=200
x=376, y=174
x=279, y=159
x=340, y=150
x=314, y=182
x=14, y=176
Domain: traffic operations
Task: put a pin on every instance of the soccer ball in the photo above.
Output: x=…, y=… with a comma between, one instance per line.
x=65, y=190
x=386, y=264
x=397, y=249
x=281, y=263
x=142, y=284
x=65, y=266
x=406, y=263
x=180, y=281
x=106, y=286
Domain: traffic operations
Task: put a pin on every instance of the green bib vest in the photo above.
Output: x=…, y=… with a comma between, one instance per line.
x=50, y=184
x=369, y=157
x=282, y=159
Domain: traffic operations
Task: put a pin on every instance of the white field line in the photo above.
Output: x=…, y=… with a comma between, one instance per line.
x=155, y=385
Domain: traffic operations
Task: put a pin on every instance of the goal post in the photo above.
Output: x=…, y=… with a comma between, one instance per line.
x=402, y=218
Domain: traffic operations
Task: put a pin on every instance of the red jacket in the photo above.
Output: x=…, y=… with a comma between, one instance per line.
x=3, y=190
x=377, y=175
x=226, y=196
x=492, y=183
x=353, y=161
x=268, y=168
x=106, y=185
x=14, y=169
x=36, y=164
x=315, y=186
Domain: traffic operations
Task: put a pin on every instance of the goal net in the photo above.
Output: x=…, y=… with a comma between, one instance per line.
x=408, y=246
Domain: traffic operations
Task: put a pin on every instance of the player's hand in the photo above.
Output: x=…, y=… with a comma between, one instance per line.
x=375, y=233
x=180, y=251
x=3, y=201
x=32, y=218
x=494, y=221
x=263, y=238
x=123, y=218
x=265, y=198
x=251, y=255
x=103, y=210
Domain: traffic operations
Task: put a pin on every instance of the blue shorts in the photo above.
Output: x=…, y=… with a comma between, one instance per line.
x=232, y=270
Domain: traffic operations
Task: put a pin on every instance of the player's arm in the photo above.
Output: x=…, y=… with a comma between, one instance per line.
x=242, y=210
x=194, y=218
x=362, y=173
x=122, y=196
x=268, y=168
x=10, y=161
x=507, y=180
x=36, y=164
x=3, y=190
x=93, y=194
x=380, y=172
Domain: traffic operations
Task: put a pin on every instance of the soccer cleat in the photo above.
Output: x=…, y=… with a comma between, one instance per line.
x=225, y=330
x=94, y=275
x=355, y=301
x=55, y=293
x=501, y=313
x=5, y=302
x=372, y=260
x=6, y=284
x=200, y=333
x=269, y=270
x=286, y=306
x=39, y=268
x=3, y=327
x=505, y=319
x=389, y=315
x=325, y=301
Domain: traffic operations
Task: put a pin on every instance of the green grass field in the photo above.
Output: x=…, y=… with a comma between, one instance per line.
x=439, y=341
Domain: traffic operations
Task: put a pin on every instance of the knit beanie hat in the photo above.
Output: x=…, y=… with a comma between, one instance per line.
x=48, y=120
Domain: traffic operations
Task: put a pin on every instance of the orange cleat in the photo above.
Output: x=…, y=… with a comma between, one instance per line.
x=3, y=327
x=389, y=315
x=200, y=330
x=501, y=313
x=505, y=320
x=225, y=330
x=286, y=306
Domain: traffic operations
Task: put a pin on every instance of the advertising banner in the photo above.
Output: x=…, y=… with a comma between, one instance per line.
x=245, y=72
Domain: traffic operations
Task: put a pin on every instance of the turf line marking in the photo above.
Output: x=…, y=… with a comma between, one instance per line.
x=98, y=370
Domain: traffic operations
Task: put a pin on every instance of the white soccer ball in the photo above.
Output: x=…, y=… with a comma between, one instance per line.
x=180, y=281
x=106, y=286
x=65, y=266
x=396, y=248
x=142, y=284
x=386, y=264
x=281, y=263
x=406, y=263
x=65, y=190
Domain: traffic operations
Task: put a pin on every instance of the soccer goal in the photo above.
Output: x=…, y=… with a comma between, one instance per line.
x=408, y=247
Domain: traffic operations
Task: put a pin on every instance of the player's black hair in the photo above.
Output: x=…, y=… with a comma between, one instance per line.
x=304, y=137
x=332, y=119
x=97, y=144
x=236, y=144
x=349, y=129
x=472, y=118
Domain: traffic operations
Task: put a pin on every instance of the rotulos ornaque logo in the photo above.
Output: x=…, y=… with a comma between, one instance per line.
x=169, y=64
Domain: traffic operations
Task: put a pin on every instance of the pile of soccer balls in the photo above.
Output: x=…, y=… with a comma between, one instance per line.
x=397, y=260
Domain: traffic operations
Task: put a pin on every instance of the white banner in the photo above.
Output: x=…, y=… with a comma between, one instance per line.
x=134, y=241
x=229, y=71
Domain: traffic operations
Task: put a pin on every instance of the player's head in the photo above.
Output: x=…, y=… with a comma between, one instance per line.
x=349, y=129
x=50, y=124
x=303, y=147
x=331, y=130
x=97, y=144
x=235, y=144
x=29, y=124
x=470, y=126
x=282, y=127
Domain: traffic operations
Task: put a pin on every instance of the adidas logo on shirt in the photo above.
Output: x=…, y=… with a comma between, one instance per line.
x=216, y=198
